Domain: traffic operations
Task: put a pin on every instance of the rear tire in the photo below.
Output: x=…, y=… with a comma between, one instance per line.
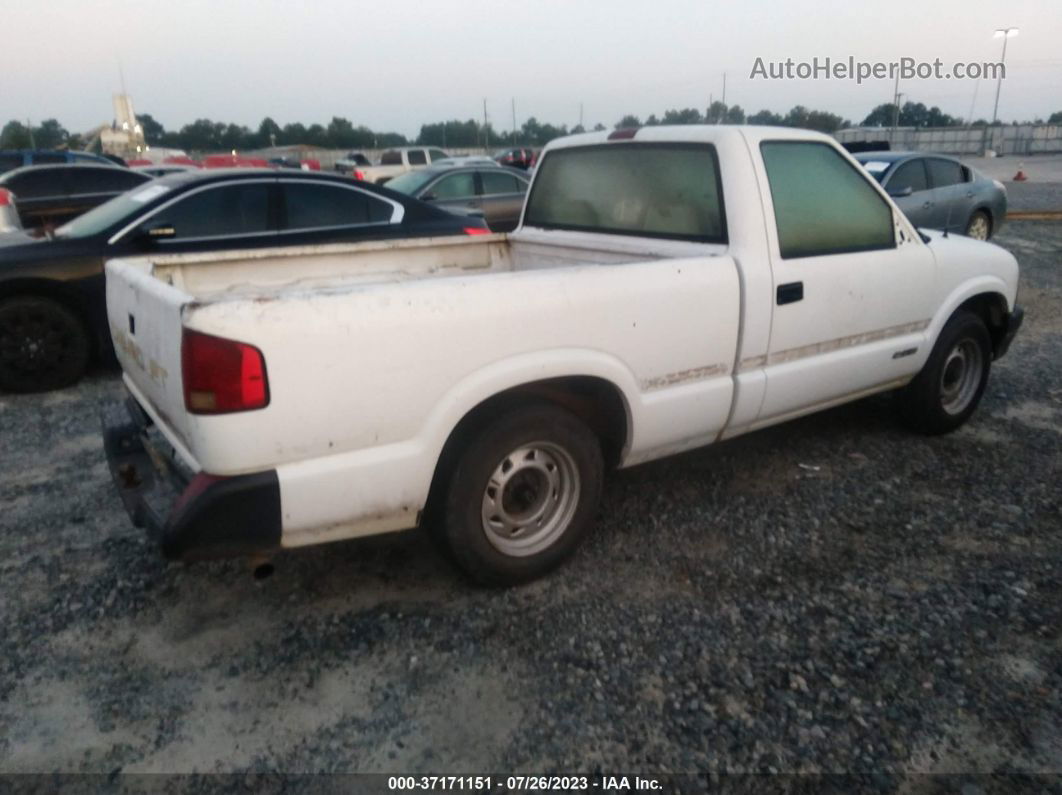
x=522, y=495
x=979, y=226
x=947, y=390
x=43, y=345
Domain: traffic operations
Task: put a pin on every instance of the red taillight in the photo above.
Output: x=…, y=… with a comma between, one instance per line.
x=476, y=230
x=5, y=197
x=359, y=174
x=222, y=375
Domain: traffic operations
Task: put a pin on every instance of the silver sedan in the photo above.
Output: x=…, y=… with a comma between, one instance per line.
x=939, y=192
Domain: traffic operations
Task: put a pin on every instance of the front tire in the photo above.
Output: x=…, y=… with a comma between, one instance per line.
x=947, y=390
x=522, y=495
x=43, y=345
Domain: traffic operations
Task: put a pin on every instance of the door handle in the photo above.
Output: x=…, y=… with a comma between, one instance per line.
x=790, y=293
x=927, y=205
x=969, y=194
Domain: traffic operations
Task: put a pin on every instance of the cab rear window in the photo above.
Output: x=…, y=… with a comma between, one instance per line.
x=663, y=190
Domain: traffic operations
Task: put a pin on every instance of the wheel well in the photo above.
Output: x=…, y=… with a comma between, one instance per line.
x=992, y=309
x=54, y=291
x=988, y=215
x=597, y=402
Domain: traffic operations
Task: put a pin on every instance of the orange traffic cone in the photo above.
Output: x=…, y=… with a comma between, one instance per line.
x=1020, y=176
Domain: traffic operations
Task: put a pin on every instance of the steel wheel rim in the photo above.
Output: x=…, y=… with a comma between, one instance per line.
x=978, y=228
x=31, y=342
x=961, y=376
x=530, y=498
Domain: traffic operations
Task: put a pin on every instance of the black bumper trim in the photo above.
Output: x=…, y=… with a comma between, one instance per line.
x=205, y=517
x=1010, y=329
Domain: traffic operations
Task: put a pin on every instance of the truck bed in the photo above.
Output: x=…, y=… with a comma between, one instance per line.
x=369, y=348
x=332, y=268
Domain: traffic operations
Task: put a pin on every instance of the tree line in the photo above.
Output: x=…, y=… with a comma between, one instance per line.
x=205, y=135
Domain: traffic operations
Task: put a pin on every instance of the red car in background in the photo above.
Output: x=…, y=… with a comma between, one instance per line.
x=517, y=157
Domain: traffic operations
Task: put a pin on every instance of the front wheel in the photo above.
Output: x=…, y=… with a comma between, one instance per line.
x=43, y=345
x=949, y=387
x=522, y=495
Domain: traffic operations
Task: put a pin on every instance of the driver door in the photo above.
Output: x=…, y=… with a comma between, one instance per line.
x=852, y=296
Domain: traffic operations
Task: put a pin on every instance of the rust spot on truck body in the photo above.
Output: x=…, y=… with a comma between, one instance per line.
x=683, y=376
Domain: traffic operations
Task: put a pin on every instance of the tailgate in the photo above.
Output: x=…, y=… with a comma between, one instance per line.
x=144, y=315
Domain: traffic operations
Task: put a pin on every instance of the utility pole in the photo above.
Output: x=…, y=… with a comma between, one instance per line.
x=1005, y=33
x=895, y=105
x=514, y=121
x=895, y=117
x=29, y=129
x=581, y=116
x=486, y=134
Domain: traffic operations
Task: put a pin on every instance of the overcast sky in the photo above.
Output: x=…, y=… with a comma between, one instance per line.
x=394, y=65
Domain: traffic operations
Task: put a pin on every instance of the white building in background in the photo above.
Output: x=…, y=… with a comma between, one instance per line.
x=125, y=136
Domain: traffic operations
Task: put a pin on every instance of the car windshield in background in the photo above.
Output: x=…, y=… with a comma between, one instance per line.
x=650, y=190
x=109, y=213
x=411, y=182
x=876, y=168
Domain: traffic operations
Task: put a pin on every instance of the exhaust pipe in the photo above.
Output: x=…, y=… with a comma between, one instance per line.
x=261, y=567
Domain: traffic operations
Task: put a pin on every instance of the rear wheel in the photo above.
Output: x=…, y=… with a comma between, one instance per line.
x=43, y=345
x=522, y=495
x=979, y=227
x=947, y=390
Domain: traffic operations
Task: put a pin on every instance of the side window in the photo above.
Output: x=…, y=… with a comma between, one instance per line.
x=103, y=180
x=499, y=182
x=391, y=158
x=455, y=186
x=437, y=154
x=943, y=173
x=417, y=157
x=40, y=158
x=38, y=184
x=911, y=174
x=312, y=206
x=229, y=210
x=823, y=204
x=8, y=162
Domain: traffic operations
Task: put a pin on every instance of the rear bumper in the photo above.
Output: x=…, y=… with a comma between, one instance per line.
x=1012, y=323
x=191, y=517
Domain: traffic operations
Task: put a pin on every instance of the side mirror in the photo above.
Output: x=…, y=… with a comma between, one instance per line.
x=160, y=230
x=428, y=197
x=899, y=193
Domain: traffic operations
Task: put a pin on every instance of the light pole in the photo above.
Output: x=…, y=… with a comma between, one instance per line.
x=1004, y=33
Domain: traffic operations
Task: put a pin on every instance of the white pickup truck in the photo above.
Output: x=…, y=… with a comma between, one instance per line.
x=394, y=162
x=667, y=288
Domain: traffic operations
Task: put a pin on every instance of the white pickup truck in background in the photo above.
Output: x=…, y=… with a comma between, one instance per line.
x=394, y=162
x=667, y=288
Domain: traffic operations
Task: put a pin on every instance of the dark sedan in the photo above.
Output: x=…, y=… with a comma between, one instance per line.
x=47, y=196
x=493, y=191
x=939, y=192
x=52, y=314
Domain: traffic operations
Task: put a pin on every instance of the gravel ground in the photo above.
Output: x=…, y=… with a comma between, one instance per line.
x=833, y=595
